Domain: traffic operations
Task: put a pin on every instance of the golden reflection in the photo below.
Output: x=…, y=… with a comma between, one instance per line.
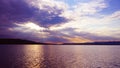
x=33, y=54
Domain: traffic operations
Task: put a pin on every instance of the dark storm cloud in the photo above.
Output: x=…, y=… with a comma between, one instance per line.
x=47, y=19
x=19, y=11
x=15, y=11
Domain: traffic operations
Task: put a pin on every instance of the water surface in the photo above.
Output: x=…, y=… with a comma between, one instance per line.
x=59, y=56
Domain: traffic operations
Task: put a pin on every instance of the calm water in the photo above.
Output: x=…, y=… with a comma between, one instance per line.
x=73, y=56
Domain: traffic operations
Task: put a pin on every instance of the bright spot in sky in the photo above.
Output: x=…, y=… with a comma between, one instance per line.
x=31, y=26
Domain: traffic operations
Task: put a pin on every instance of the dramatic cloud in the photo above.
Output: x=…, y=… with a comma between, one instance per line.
x=14, y=11
x=59, y=20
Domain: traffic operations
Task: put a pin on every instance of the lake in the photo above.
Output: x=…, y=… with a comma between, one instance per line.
x=59, y=56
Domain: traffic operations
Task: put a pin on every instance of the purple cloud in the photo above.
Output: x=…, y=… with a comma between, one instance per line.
x=71, y=33
x=90, y=36
x=19, y=11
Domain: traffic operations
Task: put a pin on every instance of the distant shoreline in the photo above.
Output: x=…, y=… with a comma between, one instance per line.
x=21, y=41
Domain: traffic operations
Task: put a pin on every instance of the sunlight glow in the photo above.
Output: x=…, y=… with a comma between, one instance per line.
x=29, y=51
x=31, y=26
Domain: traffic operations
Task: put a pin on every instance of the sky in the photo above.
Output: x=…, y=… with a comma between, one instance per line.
x=59, y=21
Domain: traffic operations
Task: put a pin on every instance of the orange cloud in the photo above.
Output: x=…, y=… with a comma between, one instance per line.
x=77, y=39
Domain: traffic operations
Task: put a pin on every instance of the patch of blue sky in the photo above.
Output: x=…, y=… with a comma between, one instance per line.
x=113, y=6
x=71, y=2
x=74, y=2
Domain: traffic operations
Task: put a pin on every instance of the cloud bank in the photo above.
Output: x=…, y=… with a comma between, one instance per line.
x=14, y=11
x=59, y=20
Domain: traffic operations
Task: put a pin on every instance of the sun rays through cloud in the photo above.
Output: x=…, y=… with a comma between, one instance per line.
x=61, y=20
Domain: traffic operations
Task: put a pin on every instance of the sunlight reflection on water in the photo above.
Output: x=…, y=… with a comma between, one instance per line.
x=39, y=56
x=33, y=55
